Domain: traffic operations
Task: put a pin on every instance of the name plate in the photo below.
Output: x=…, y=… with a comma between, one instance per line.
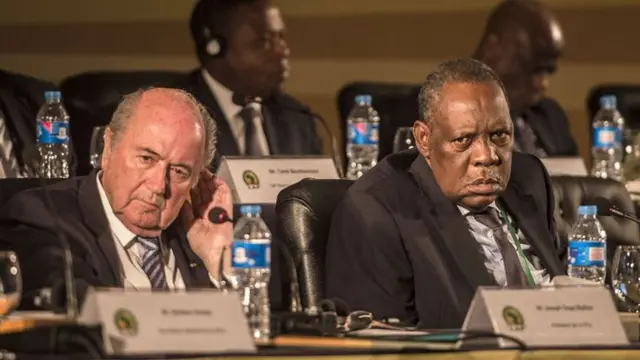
x=259, y=180
x=168, y=322
x=571, y=166
x=550, y=316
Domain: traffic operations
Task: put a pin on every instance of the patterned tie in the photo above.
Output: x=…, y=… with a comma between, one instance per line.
x=251, y=146
x=512, y=267
x=152, y=262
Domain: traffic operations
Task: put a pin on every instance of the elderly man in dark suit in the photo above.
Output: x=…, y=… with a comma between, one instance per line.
x=417, y=234
x=243, y=59
x=130, y=224
x=522, y=43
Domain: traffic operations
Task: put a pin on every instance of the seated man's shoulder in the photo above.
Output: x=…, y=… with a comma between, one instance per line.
x=50, y=198
x=386, y=180
x=527, y=168
x=549, y=107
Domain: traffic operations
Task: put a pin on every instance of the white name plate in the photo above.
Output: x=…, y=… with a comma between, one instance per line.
x=564, y=316
x=572, y=166
x=168, y=322
x=259, y=180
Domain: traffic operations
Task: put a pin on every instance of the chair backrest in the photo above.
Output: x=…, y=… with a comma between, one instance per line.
x=10, y=187
x=303, y=212
x=91, y=98
x=628, y=100
x=396, y=103
x=571, y=192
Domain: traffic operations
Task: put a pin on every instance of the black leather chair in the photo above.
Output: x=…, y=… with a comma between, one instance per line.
x=10, y=187
x=571, y=192
x=396, y=103
x=91, y=98
x=304, y=212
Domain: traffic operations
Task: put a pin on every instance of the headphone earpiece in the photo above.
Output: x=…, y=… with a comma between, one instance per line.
x=215, y=45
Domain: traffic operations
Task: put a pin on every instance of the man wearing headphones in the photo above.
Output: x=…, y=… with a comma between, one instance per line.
x=244, y=59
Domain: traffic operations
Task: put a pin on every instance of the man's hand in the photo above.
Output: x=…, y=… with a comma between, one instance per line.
x=208, y=240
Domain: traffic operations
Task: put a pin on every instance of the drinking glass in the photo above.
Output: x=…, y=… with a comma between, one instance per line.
x=403, y=139
x=625, y=278
x=97, y=146
x=10, y=282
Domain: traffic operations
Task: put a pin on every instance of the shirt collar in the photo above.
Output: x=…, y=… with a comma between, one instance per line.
x=464, y=211
x=120, y=232
x=223, y=95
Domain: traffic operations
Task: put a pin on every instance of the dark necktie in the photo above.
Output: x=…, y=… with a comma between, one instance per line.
x=512, y=267
x=152, y=262
x=251, y=147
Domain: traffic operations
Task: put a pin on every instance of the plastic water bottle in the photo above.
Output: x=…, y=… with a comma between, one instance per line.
x=608, y=145
x=587, y=246
x=251, y=264
x=362, y=141
x=52, y=132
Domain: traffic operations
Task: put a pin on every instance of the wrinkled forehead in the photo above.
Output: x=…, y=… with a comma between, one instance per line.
x=469, y=104
x=274, y=19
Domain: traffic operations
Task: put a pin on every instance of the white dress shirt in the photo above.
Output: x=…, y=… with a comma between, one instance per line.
x=231, y=112
x=493, y=260
x=130, y=252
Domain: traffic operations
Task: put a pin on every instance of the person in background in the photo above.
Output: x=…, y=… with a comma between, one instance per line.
x=522, y=43
x=130, y=224
x=20, y=100
x=243, y=58
x=420, y=232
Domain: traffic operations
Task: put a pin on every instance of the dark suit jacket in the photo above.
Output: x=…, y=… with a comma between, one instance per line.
x=289, y=130
x=32, y=222
x=551, y=126
x=401, y=249
x=20, y=100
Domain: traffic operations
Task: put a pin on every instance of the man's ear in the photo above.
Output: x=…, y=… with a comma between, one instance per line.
x=106, y=151
x=422, y=135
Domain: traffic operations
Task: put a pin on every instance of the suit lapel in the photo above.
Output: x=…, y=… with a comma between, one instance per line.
x=542, y=131
x=193, y=272
x=269, y=119
x=522, y=207
x=96, y=220
x=452, y=227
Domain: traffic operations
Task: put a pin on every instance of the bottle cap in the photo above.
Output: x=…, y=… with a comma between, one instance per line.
x=587, y=210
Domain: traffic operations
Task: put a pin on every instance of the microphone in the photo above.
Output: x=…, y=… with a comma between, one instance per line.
x=606, y=208
x=219, y=215
x=241, y=100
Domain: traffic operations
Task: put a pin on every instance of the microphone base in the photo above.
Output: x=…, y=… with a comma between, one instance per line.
x=292, y=323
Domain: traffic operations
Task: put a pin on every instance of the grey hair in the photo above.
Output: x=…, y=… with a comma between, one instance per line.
x=464, y=70
x=125, y=110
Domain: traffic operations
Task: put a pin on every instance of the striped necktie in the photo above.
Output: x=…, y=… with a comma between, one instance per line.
x=152, y=262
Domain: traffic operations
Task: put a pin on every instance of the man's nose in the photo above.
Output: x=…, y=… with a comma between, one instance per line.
x=281, y=47
x=484, y=153
x=158, y=180
x=541, y=82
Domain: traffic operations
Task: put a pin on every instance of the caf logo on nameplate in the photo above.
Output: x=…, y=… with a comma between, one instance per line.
x=513, y=317
x=125, y=322
x=250, y=178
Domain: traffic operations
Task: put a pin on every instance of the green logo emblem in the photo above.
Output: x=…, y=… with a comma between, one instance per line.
x=513, y=317
x=125, y=322
x=251, y=179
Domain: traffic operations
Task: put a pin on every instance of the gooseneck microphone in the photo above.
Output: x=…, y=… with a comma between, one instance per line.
x=218, y=215
x=301, y=109
x=606, y=208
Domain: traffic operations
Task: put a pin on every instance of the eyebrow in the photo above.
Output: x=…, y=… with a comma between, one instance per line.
x=182, y=165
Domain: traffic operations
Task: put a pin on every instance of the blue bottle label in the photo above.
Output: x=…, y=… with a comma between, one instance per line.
x=587, y=253
x=363, y=133
x=245, y=255
x=50, y=132
x=606, y=137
